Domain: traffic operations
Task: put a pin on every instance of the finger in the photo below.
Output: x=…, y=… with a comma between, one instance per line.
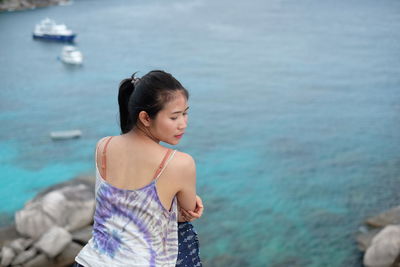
x=199, y=211
x=183, y=218
x=186, y=214
x=189, y=219
x=199, y=201
x=194, y=214
x=183, y=211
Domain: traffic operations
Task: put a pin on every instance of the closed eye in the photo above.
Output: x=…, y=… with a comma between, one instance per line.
x=185, y=113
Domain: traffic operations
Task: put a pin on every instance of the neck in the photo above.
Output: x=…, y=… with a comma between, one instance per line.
x=144, y=134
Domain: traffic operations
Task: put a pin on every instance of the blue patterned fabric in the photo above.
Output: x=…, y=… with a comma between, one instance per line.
x=189, y=251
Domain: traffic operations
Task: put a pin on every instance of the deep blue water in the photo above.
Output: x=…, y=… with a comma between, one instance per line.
x=294, y=115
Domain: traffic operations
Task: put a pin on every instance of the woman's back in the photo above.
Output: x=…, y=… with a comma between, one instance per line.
x=131, y=164
x=131, y=225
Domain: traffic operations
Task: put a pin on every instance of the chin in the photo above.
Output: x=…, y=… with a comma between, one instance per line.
x=172, y=142
x=175, y=142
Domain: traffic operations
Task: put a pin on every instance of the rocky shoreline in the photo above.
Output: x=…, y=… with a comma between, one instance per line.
x=52, y=227
x=13, y=5
x=379, y=239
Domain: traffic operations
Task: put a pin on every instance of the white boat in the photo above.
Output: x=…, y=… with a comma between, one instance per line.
x=60, y=135
x=71, y=55
x=49, y=30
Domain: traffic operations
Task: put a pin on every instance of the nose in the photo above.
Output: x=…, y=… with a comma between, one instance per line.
x=183, y=124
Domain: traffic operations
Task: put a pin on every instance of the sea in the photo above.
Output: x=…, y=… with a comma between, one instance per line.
x=294, y=118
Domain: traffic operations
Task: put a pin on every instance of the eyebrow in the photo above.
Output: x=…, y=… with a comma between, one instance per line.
x=180, y=111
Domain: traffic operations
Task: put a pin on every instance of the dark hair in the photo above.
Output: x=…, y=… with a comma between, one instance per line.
x=149, y=93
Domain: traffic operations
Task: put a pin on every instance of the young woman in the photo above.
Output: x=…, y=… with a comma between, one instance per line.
x=142, y=187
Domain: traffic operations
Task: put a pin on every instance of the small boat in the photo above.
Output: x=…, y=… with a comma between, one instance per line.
x=61, y=135
x=49, y=30
x=71, y=55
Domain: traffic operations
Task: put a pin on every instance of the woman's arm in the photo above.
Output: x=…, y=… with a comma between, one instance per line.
x=188, y=216
x=187, y=182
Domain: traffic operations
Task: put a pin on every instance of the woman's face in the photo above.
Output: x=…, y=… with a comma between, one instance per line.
x=170, y=122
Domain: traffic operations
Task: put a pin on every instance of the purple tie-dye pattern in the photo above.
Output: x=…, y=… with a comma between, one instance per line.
x=131, y=227
x=110, y=242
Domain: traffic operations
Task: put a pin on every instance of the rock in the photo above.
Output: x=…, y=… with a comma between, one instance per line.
x=39, y=261
x=48, y=218
x=384, y=249
x=20, y=244
x=67, y=257
x=25, y=4
x=51, y=203
x=79, y=207
x=69, y=205
x=7, y=255
x=391, y=216
x=82, y=235
x=32, y=221
x=24, y=256
x=8, y=233
x=364, y=239
x=89, y=181
x=54, y=241
x=12, y=5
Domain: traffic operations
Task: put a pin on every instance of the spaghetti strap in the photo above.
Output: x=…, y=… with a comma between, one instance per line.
x=161, y=164
x=103, y=158
x=97, y=148
x=166, y=161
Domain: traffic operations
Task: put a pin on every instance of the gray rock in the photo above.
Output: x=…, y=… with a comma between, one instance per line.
x=79, y=207
x=20, y=244
x=7, y=256
x=384, y=249
x=69, y=205
x=391, y=216
x=10, y=5
x=39, y=261
x=53, y=241
x=32, y=221
x=8, y=233
x=24, y=256
x=82, y=235
x=89, y=181
x=24, y=4
x=364, y=239
x=67, y=257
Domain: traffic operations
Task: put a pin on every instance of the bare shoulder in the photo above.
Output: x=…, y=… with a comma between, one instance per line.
x=101, y=143
x=184, y=160
x=184, y=166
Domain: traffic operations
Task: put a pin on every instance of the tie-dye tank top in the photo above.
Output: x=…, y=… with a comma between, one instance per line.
x=131, y=227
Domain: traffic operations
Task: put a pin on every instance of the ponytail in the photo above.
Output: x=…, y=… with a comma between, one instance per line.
x=126, y=89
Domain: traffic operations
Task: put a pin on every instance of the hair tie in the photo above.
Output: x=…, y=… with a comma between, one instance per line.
x=134, y=80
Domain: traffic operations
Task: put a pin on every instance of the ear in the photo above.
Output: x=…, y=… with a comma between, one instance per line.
x=144, y=118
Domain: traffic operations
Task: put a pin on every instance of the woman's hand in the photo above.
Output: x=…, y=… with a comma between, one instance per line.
x=188, y=215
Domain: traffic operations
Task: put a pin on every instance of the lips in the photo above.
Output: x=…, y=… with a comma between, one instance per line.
x=179, y=135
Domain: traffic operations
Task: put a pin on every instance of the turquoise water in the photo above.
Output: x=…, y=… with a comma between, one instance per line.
x=294, y=115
